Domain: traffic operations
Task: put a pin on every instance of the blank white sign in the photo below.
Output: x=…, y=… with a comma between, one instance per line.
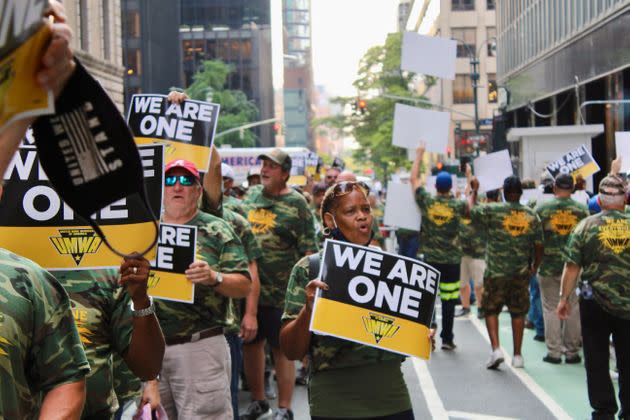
x=622, y=143
x=412, y=125
x=492, y=169
x=401, y=209
x=431, y=55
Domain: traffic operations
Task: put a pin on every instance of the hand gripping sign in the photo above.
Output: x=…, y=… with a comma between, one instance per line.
x=187, y=129
x=38, y=224
x=23, y=37
x=376, y=298
x=177, y=247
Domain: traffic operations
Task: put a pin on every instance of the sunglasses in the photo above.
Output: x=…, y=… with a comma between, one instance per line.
x=184, y=180
x=346, y=187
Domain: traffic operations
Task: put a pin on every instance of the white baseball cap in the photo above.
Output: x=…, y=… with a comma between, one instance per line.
x=227, y=171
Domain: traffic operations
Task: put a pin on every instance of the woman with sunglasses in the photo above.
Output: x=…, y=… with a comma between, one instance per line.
x=347, y=380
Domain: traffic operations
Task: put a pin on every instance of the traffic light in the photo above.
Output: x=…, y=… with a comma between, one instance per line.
x=361, y=105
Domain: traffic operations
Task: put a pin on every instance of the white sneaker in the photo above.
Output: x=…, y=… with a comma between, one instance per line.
x=496, y=358
x=518, y=362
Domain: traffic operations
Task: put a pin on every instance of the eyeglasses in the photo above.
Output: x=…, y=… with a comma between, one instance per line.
x=346, y=187
x=184, y=180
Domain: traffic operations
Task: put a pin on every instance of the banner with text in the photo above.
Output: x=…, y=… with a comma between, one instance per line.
x=177, y=246
x=187, y=129
x=23, y=38
x=376, y=298
x=576, y=162
x=37, y=224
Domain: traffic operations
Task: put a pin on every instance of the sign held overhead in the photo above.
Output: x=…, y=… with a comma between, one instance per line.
x=430, y=55
x=412, y=125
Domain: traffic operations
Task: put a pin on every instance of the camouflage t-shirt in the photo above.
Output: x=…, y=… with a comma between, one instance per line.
x=319, y=227
x=472, y=240
x=218, y=245
x=285, y=231
x=600, y=244
x=103, y=317
x=243, y=230
x=40, y=347
x=234, y=204
x=558, y=217
x=440, y=227
x=127, y=385
x=328, y=352
x=511, y=231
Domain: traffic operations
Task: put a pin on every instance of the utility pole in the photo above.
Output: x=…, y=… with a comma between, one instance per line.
x=474, y=76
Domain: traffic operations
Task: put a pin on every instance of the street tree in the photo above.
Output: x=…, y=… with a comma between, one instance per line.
x=209, y=83
x=379, y=73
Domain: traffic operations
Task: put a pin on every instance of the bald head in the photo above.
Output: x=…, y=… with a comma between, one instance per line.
x=346, y=176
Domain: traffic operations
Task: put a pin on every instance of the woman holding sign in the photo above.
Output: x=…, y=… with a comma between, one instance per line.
x=347, y=380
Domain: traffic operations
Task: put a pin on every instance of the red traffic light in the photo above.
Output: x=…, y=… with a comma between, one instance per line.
x=439, y=166
x=362, y=104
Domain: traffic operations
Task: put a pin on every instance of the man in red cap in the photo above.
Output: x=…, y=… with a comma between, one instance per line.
x=195, y=378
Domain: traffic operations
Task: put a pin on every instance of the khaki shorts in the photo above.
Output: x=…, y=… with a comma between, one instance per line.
x=510, y=291
x=472, y=268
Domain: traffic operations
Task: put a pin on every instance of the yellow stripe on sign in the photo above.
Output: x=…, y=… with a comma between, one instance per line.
x=372, y=328
x=170, y=286
x=173, y=150
x=586, y=170
x=55, y=247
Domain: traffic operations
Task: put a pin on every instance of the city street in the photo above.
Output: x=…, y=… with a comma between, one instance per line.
x=457, y=385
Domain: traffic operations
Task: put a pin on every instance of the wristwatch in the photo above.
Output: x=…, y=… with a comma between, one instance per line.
x=150, y=310
x=217, y=280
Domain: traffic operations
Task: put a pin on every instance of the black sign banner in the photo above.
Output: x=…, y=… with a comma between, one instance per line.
x=376, y=298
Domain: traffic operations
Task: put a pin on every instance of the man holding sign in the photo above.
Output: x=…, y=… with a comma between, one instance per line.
x=190, y=387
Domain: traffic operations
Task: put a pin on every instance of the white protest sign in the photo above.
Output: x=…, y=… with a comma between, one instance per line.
x=401, y=209
x=412, y=125
x=431, y=55
x=492, y=169
x=530, y=194
x=622, y=143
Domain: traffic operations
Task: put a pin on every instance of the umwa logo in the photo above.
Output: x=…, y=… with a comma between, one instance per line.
x=154, y=280
x=76, y=242
x=380, y=326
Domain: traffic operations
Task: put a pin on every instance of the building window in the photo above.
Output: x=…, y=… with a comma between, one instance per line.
x=107, y=46
x=466, y=41
x=460, y=5
x=490, y=4
x=132, y=24
x=462, y=89
x=491, y=41
x=492, y=88
x=83, y=23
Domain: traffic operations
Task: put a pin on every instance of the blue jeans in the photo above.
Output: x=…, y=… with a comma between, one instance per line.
x=236, y=354
x=535, y=314
x=408, y=245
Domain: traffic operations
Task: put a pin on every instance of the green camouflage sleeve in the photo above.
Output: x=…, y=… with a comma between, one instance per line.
x=295, y=297
x=233, y=258
x=57, y=352
x=121, y=322
x=478, y=216
x=421, y=197
x=572, y=252
x=307, y=240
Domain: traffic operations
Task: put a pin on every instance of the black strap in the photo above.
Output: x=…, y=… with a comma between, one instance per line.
x=314, y=261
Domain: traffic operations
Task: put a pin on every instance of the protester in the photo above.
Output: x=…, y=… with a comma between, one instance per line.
x=598, y=248
x=230, y=202
x=558, y=217
x=473, y=263
x=195, y=378
x=284, y=228
x=43, y=362
x=331, y=175
x=535, y=320
x=347, y=380
x=319, y=190
x=253, y=177
x=514, y=249
x=441, y=216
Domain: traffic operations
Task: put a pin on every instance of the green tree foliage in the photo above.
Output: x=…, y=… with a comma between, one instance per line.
x=379, y=72
x=236, y=109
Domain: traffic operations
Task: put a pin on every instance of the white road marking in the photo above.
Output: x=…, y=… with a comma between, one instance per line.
x=527, y=380
x=476, y=416
x=431, y=396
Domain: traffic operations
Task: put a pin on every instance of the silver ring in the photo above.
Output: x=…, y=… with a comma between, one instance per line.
x=135, y=270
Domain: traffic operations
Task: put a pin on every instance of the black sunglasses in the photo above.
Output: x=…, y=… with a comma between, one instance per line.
x=184, y=180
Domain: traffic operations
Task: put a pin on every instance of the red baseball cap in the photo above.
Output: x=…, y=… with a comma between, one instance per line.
x=185, y=164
